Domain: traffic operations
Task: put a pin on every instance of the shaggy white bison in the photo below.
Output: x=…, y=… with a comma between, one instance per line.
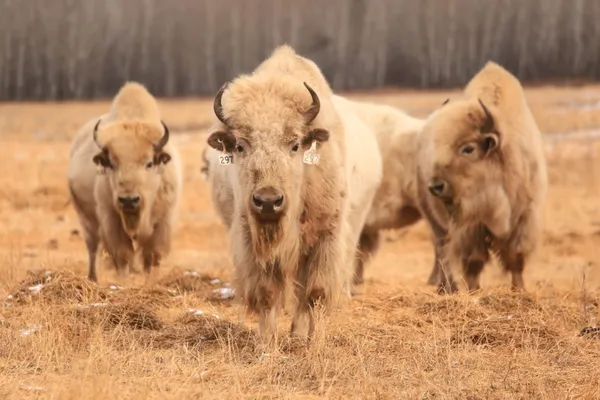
x=482, y=178
x=125, y=181
x=305, y=170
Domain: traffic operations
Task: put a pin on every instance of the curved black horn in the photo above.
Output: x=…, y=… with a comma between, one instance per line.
x=164, y=139
x=488, y=126
x=217, y=106
x=315, y=107
x=96, y=134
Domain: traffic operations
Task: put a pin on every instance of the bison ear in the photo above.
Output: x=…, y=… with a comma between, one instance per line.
x=102, y=160
x=162, y=158
x=315, y=135
x=222, y=141
x=490, y=142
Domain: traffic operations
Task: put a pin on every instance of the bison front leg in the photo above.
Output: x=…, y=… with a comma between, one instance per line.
x=435, y=275
x=515, y=251
x=319, y=281
x=474, y=254
x=367, y=246
x=156, y=246
x=513, y=260
x=442, y=268
x=263, y=289
x=117, y=243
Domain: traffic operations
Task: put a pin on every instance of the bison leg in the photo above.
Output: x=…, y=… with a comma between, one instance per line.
x=436, y=271
x=446, y=285
x=319, y=280
x=92, y=240
x=263, y=289
x=158, y=245
x=474, y=259
x=367, y=246
x=117, y=243
x=515, y=263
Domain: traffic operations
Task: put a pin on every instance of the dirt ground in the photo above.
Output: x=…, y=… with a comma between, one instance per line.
x=62, y=337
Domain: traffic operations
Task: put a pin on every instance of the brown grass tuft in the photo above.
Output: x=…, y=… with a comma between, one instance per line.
x=47, y=286
x=198, y=330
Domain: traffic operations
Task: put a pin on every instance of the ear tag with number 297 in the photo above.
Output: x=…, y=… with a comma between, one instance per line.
x=225, y=158
x=311, y=156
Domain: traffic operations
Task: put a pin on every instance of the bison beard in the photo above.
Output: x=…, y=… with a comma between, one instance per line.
x=264, y=237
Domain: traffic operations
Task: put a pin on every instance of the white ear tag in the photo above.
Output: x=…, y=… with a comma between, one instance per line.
x=311, y=156
x=100, y=170
x=225, y=158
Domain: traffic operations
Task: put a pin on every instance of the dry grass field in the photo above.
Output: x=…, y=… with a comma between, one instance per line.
x=173, y=336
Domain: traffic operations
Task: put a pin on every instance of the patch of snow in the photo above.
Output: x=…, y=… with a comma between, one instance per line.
x=86, y=306
x=190, y=273
x=215, y=281
x=32, y=388
x=195, y=312
x=200, y=374
x=115, y=287
x=36, y=288
x=29, y=331
x=225, y=293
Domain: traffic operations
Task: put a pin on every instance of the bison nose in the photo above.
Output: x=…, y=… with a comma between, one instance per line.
x=129, y=203
x=267, y=201
x=438, y=187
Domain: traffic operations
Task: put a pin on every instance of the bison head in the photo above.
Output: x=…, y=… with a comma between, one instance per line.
x=461, y=157
x=132, y=154
x=267, y=128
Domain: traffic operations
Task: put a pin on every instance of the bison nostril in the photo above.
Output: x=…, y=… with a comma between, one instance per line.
x=437, y=188
x=258, y=202
x=268, y=201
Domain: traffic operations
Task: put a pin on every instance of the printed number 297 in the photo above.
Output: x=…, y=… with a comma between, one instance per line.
x=225, y=160
x=311, y=158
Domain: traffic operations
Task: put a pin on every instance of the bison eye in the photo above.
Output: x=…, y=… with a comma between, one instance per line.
x=149, y=164
x=296, y=147
x=468, y=149
x=239, y=148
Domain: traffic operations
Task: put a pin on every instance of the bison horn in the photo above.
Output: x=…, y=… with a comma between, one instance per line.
x=488, y=126
x=96, y=134
x=315, y=107
x=217, y=106
x=164, y=139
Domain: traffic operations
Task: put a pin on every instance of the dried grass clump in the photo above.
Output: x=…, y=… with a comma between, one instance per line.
x=194, y=330
x=189, y=281
x=451, y=310
x=510, y=302
x=510, y=331
x=131, y=314
x=56, y=287
x=155, y=297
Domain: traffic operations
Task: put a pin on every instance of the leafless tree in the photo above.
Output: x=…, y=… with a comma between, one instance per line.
x=74, y=49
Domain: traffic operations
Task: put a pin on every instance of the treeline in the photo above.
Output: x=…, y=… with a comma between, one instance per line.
x=81, y=49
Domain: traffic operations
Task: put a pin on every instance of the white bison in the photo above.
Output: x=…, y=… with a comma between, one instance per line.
x=305, y=171
x=482, y=178
x=125, y=181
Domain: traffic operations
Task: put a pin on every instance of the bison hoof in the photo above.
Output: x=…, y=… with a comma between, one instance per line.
x=432, y=281
x=447, y=289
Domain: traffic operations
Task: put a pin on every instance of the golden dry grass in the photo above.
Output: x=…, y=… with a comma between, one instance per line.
x=173, y=337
